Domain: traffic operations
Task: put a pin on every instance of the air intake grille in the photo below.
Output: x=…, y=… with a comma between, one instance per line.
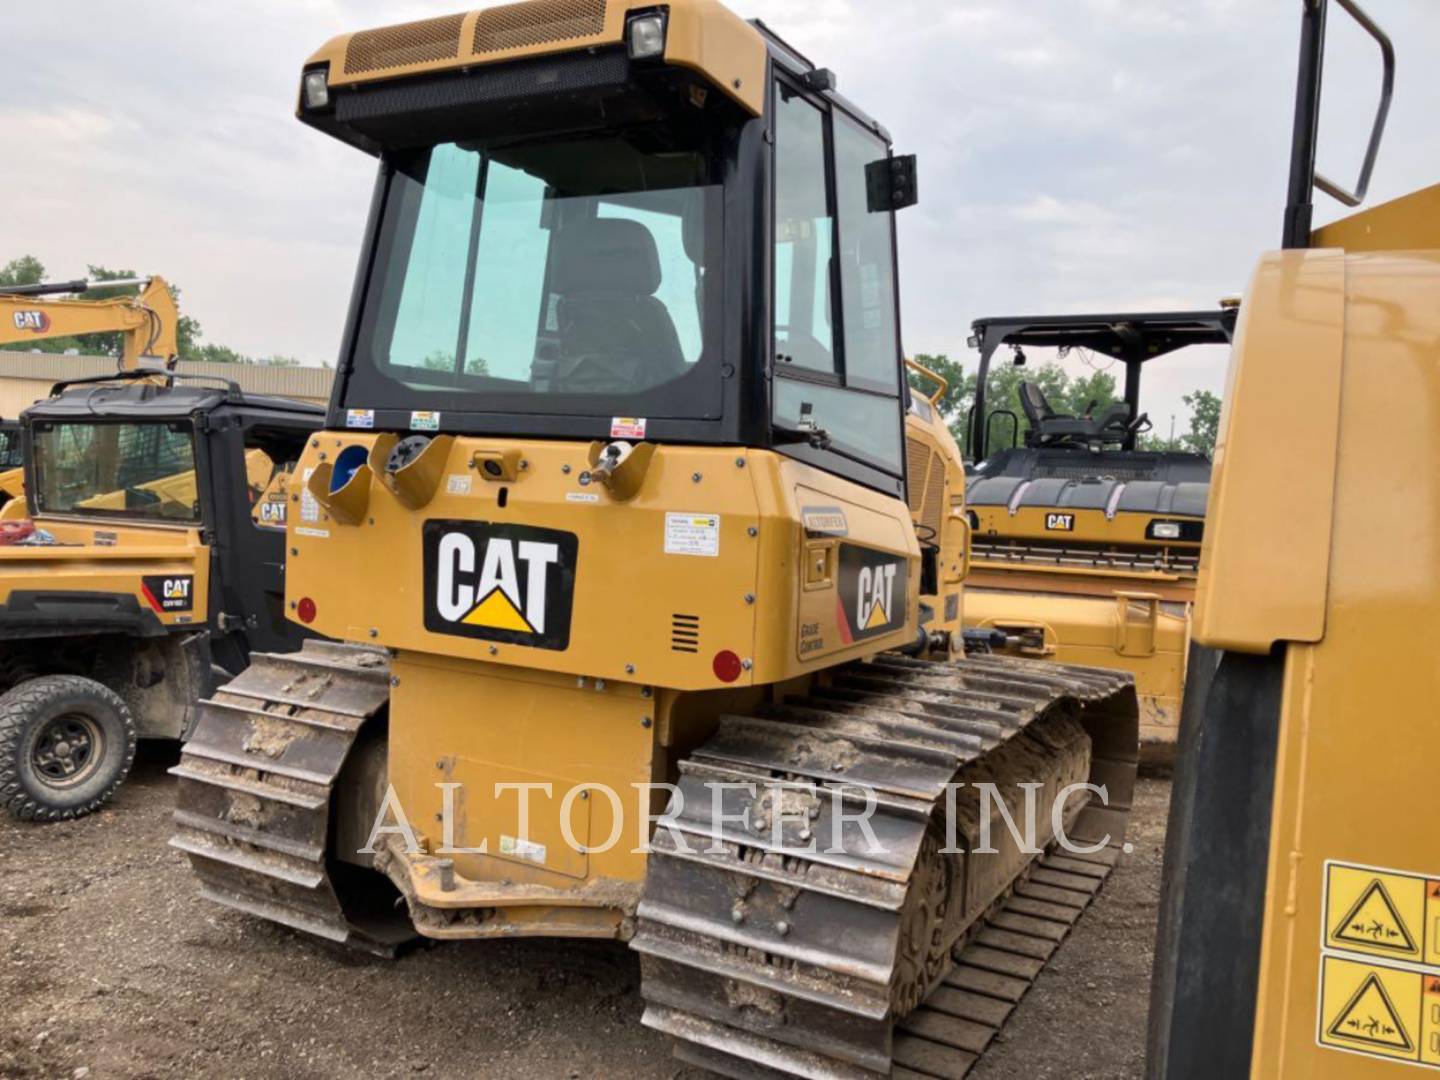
x=539, y=22
x=934, y=506
x=685, y=634
x=917, y=466
x=400, y=46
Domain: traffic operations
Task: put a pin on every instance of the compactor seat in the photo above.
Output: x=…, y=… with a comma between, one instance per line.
x=1049, y=428
x=615, y=334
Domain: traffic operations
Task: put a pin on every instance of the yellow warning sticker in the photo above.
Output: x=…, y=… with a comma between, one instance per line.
x=1378, y=913
x=1432, y=924
x=1369, y=1009
x=1430, y=1022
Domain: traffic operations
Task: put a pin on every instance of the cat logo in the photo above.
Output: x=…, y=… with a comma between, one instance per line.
x=873, y=593
x=168, y=594
x=1060, y=522
x=504, y=583
x=36, y=322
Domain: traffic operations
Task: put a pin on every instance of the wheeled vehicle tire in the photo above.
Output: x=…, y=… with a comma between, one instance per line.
x=66, y=744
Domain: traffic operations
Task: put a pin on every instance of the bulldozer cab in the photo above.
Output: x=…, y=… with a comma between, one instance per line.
x=116, y=460
x=603, y=246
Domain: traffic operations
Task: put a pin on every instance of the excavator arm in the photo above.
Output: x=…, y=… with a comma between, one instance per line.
x=147, y=322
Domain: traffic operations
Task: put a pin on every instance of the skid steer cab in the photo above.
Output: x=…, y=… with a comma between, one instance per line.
x=12, y=463
x=149, y=567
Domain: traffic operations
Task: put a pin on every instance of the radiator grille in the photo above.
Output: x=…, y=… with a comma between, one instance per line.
x=933, y=509
x=539, y=22
x=400, y=46
x=917, y=469
x=685, y=634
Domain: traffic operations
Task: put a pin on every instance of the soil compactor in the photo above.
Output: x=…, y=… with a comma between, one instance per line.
x=1087, y=546
x=613, y=499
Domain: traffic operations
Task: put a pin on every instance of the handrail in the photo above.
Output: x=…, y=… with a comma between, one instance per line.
x=936, y=377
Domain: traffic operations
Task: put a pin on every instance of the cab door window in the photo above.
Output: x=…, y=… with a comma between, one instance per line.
x=804, y=239
x=867, y=264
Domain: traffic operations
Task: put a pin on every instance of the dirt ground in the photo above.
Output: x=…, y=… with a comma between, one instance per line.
x=110, y=966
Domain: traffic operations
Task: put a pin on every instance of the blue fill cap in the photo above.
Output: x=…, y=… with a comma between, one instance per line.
x=347, y=465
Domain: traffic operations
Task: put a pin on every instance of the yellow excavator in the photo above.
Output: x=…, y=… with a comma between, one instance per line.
x=147, y=324
x=660, y=652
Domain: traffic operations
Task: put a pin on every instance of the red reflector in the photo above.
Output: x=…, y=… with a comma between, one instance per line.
x=727, y=666
x=306, y=610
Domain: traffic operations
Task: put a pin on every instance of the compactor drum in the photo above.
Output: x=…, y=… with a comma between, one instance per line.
x=652, y=647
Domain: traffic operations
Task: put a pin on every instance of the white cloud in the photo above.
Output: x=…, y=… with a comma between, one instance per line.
x=1074, y=155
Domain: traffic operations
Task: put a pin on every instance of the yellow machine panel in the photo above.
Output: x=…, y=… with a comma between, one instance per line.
x=1348, y=964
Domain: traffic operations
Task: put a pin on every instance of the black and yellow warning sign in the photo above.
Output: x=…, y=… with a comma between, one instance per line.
x=1377, y=912
x=1371, y=1009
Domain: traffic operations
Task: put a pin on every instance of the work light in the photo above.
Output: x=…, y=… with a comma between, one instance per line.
x=646, y=36
x=317, y=89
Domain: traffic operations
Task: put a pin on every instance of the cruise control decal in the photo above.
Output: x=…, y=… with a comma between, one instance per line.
x=505, y=583
x=168, y=595
x=873, y=593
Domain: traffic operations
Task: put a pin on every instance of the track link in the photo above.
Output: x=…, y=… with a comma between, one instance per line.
x=767, y=953
x=257, y=775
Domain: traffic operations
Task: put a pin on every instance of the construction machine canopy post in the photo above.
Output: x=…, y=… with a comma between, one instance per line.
x=1135, y=339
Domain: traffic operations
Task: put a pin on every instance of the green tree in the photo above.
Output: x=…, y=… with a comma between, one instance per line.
x=26, y=270
x=1204, y=422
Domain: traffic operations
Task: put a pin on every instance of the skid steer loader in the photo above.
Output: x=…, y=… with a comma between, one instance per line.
x=144, y=567
x=612, y=501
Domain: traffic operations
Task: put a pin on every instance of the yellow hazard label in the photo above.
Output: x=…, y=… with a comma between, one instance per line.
x=1378, y=913
x=1370, y=1009
x=1432, y=923
x=1430, y=1022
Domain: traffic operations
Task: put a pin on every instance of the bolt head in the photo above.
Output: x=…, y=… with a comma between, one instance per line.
x=739, y=463
x=647, y=722
x=749, y=598
x=566, y=469
x=748, y=665
x=782, y=928
x=494, y=650
x=753, y=531
x=698, y=477
x=374, y=633
x=629, y=669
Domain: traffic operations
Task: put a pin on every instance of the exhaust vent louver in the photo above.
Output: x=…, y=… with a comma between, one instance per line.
x=401, y=46
x=685, y=634
x=541, y=22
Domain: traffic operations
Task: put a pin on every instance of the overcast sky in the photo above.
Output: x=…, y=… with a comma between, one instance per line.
x=1075, y=154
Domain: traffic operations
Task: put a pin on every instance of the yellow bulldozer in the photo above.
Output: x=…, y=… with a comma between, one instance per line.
x=649, y=611
x=612, y=499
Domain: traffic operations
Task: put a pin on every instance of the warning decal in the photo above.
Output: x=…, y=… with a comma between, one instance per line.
x=1378, y=1011
x=1376, y=912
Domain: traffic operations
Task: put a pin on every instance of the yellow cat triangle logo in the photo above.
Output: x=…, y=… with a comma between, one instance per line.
x=498, y=612
x=879, y=617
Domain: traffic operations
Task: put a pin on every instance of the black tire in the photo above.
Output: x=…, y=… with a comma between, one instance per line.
x=66, y=744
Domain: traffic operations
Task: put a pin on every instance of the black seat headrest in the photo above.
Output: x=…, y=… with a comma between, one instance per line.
x=608, y=255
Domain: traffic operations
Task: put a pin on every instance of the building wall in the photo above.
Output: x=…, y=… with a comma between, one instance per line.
x=26, y=378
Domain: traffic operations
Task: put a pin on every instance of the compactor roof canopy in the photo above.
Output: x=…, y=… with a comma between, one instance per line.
x=1136, y=336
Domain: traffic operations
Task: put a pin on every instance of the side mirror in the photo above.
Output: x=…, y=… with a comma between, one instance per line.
x=891, y=184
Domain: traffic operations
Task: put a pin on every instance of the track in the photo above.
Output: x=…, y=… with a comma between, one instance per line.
x=849, y=961
x=257, y=775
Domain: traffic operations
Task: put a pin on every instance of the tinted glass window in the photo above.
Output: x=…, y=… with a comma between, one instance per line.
x=548, y=278
x=137, y=470
x=863, y=426
x=867, y=266
x=804, y=239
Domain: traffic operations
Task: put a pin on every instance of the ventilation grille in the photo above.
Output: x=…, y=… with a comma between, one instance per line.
x=933, y=508
x=917, y=465
x=1110, y=471
x=400, y=46
x=1135, y=559
x=539, y=22
x=685, y=634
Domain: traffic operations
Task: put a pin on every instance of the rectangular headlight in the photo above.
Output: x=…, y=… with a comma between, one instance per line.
x=317, y=90
x=646, y=37
x=1167, y=530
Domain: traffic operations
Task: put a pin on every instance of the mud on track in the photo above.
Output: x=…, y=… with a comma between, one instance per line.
x=110, y=963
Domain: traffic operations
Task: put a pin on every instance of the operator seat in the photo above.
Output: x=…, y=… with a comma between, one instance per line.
x=1049, y=428
x=615, y=336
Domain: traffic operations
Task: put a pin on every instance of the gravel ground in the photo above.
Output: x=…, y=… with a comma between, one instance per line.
x=110, y=966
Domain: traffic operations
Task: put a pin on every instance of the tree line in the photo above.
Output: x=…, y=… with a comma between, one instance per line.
x=28, y=270
x=1068, y=394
